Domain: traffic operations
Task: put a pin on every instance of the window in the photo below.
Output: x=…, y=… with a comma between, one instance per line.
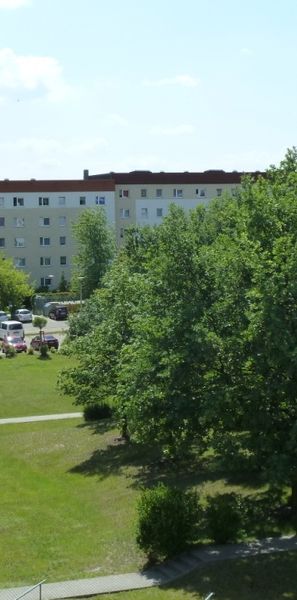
x=219, y=191
x=2, y=242
x=202, y=193
x=159, y=212
x=62, y=221
x=100, y=200
x=159, y=193
x=63, y=260
x=19, y=242
x=143, y=193
x=43, y=201
x=2, y=221
x=18, y=202
x=45, y=281
x=82, y=200
x=144, y=213
x=45, y=261
x=62, y=200
x=233, y=191
x=124, y=213
x=124, y=193
x=44, y=221
x=177, y=193
x=20, y=262
x=2, y=201
x=62, y=240
x=19, y=222
x=44, y=241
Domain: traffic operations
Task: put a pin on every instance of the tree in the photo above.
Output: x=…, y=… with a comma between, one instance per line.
x=14, y=284
x=96, y=249
x=39, y=322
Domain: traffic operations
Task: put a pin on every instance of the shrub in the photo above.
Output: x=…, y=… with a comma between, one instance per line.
x=95, y=412
x=167, y=521
x=43, y=351
x=10, y=352
x=224, y=516
x=30, y=351
x=53, y=350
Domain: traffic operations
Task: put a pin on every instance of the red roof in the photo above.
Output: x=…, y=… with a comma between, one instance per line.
x=56, y=185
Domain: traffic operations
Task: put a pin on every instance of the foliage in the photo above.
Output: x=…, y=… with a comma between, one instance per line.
x=96, y=248
x=39, y=322
x=167, y=521
x=30, y=351
x=63, y=284
x=14, y=284
x=10, y=352
x=43, y=351
x=225, y=517
x=195, y=333
x=95, y=412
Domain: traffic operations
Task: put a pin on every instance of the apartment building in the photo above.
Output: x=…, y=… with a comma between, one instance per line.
x=143, y=197
x=36, y=217
x=36, y=220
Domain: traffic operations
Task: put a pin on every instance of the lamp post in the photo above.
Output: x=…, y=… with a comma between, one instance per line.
x=80, y=278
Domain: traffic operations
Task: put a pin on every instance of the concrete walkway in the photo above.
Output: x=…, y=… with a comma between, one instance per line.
x=159, y=575
x=74, y=415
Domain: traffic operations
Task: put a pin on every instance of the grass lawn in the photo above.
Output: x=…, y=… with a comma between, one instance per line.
x=28, y=386
x=260, y=578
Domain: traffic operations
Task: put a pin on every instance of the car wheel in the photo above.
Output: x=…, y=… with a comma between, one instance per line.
x=52, y=315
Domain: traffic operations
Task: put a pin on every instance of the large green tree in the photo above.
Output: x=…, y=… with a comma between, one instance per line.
x=96, y=249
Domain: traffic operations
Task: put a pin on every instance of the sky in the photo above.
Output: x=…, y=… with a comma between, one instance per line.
x=162, y=85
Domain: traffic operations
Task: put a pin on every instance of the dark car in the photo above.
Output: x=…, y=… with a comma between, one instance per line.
x=14, y=342
x=46, y=339
x=58, y=312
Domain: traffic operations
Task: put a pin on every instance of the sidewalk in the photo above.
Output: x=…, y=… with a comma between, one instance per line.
x=159, y=575
x=56, y=417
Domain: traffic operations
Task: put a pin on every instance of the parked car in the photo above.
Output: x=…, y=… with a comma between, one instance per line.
x=58, y=312
x=14, y=342
x=23, y=315
x=50, y=340
x=11, y=329
x=3, y=316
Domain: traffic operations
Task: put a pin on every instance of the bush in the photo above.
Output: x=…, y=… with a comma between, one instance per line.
x=10, y=352
x=95, y=412
x=224, y=515
x=168, y=520
x=30, y=351
x=43, y=351
x=53, y=350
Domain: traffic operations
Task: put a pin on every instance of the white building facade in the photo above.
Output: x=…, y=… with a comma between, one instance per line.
x=36, y=217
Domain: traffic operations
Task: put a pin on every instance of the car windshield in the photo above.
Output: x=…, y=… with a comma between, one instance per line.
x=15, y=340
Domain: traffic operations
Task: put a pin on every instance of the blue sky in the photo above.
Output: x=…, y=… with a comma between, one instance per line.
x=164, y=85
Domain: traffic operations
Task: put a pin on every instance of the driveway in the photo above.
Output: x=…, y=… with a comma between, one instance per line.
x=57, y=328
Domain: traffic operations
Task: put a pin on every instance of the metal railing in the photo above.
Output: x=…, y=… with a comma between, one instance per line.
x=31, y=589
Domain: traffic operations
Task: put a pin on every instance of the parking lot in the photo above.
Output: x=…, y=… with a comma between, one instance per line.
x=57, y=328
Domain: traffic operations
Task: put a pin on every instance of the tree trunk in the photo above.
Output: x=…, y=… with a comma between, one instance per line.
x=293, y=499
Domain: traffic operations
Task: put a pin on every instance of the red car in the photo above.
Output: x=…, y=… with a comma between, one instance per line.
x=14, y=342
x=50, y=340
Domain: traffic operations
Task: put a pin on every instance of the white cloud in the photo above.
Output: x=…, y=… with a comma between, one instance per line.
x=31, y=73
x=172, y=131
x=182, y=80
x=13, y=3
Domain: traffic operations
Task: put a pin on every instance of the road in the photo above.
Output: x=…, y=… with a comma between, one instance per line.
x=57, y=328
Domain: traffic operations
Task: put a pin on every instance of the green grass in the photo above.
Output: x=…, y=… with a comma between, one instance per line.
x=28, y=386
x=260, y=578
x=69, y=491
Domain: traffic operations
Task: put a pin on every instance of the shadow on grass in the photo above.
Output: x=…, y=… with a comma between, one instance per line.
x=257, y=578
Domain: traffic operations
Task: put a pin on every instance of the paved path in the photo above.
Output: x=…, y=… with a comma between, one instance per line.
x=73, y=415
x=160, y=575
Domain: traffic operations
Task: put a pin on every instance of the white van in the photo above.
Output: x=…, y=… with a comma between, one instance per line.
x=11, y=328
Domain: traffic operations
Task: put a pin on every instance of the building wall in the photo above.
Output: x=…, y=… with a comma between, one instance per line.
x=36, y=217
x=37, y=231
